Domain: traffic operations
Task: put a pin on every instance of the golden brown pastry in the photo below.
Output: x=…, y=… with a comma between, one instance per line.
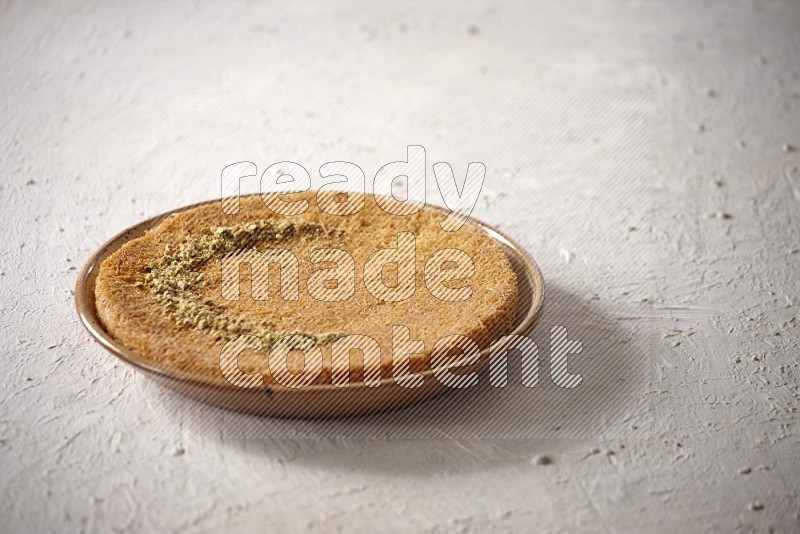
x=162, y=295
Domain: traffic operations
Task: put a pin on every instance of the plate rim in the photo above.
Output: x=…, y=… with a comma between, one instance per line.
x=85, y=304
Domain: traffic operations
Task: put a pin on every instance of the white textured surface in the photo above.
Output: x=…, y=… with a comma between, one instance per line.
x=114, y=112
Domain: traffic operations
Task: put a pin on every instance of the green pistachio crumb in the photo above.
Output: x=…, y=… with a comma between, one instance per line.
x=173, y=279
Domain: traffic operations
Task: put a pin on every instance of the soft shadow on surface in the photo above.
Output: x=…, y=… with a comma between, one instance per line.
x=479, y=426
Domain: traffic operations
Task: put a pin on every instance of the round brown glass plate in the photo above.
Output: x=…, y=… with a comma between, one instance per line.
x=317, y=401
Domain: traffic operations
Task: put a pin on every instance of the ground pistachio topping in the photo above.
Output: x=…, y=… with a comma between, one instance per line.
x=173, y=279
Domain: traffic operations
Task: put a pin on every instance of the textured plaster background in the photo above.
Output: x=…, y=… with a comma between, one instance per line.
x=646, y=153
